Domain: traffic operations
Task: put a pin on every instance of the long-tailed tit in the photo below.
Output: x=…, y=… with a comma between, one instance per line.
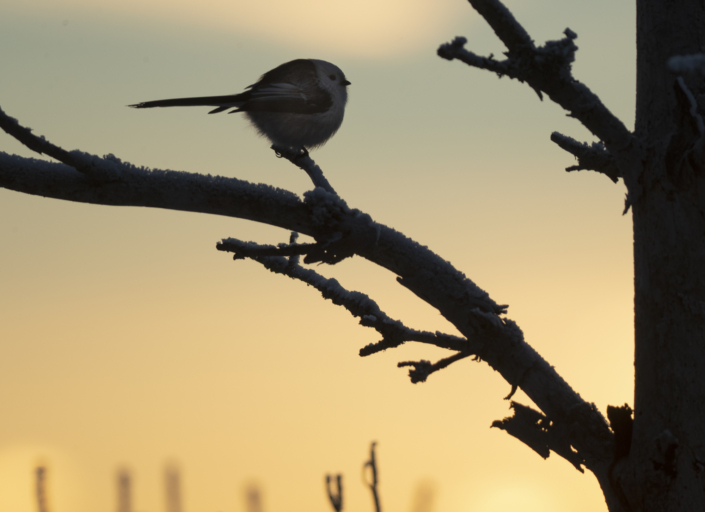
x=299, y=105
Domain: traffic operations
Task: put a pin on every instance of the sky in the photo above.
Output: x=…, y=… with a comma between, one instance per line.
x=128, y=341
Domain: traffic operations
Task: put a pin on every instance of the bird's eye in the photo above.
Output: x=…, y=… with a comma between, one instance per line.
x=332, y=77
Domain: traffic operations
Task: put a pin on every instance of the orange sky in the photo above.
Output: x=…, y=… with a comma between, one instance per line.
x=127, y=340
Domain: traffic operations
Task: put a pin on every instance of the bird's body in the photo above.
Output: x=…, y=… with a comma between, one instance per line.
x=299, y=104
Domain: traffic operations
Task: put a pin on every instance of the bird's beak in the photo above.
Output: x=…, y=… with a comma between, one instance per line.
x=345, y=82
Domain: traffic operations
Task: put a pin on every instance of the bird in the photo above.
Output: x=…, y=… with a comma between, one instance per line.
x=298, y=105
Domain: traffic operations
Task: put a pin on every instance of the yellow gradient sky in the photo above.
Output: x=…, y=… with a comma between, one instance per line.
x=127, y=340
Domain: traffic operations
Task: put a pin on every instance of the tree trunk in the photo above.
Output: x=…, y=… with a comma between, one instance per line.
x=665, y=470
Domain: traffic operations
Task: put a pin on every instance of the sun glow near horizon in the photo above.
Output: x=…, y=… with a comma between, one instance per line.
x=127, y=339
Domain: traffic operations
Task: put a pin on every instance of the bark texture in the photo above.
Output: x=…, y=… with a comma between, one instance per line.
x=664, y=468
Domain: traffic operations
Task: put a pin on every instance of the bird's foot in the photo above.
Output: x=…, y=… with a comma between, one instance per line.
x=289, y=152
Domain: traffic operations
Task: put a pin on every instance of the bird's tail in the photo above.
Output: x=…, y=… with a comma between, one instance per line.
x=222, y=102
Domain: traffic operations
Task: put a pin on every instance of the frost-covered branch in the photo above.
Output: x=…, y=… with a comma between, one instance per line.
x=173, y=190
x=420, y=370
x=456, y=50
x=360, y=305
x=329, y=250
x=547, y=69
x=305, y=162
x=592, y=157
x=89, y=165
x=339, y=232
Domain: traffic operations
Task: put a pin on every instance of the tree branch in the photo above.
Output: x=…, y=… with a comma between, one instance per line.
x=374, y=481
x=547, y=69
x=305, y=162
x=90, y=165
x=502, y=21
x=335, y=497
x=422, y=369
x=360, y=305
x=537, y=432
x=590, y=157
x=156, y=188
x=339, y=232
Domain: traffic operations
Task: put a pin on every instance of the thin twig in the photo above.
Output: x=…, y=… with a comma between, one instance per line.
x=547, y=69
x=172, y=486
x=124, y=494
x=90, y=165
x=253, y=498
x=41, y=489
x=394, y=332
x=335, y=496
x=590, y=157
x=422, y=369
x=305, y=162
x=374, y=482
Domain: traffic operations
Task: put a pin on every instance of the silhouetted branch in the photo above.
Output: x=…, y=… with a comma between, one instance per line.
x=40, y=488
x=374, y=480
x=340, y=232
x=124, y=491
x=536, y=431
x=90, y=165
x=592, y=157
x=422, y=369
x=335, y=496
x=305, y=162
x=547, y=69
x=172, y=488
x=253, y=499
x=394, y=332
x=622, y=423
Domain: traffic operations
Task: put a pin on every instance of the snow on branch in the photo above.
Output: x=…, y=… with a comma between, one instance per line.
x=394, y=332
x=339, y=232
x=546, y=69
x=456, y=50
x=592, y=157
x=90, y=165
x=305, y=162
x=420, y=370
x=173, y=190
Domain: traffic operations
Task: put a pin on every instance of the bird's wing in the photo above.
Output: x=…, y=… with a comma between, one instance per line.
x=286, y=98
x=222, y=102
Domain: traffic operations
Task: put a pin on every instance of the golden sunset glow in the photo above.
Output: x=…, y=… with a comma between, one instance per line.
x=128, y=341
